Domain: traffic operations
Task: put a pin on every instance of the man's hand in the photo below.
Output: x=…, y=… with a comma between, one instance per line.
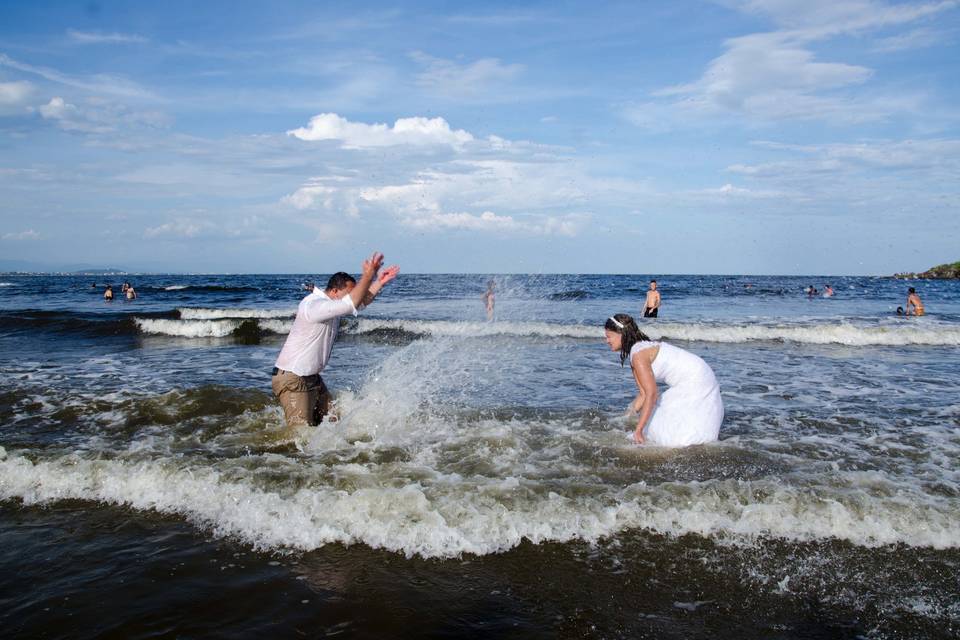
x=388, y=274
x=372, y=264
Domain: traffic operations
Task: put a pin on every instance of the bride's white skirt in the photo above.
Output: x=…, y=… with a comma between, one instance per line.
x=686, y=414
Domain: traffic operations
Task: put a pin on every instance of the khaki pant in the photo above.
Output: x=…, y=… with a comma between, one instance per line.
x=305, y=400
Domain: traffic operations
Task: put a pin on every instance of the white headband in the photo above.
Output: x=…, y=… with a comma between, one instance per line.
x=616, y=322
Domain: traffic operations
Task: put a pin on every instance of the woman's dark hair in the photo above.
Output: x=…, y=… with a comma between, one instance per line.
x=340, y=280
x=911, y=290
x=627, y=327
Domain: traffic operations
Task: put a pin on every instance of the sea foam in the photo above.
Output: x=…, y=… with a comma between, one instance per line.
x=205, y=323
x=481, y=516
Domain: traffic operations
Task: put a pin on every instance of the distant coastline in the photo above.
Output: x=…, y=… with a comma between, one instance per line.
x=950, y=271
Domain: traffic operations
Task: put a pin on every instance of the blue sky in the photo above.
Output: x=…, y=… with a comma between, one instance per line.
x=736, y=136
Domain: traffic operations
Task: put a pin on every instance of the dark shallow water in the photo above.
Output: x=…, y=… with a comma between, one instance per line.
x=113, y=572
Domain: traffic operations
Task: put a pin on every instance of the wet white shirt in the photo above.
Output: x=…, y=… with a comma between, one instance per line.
x=314, y=331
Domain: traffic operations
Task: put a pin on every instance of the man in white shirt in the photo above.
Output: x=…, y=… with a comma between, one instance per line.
x=296, y=377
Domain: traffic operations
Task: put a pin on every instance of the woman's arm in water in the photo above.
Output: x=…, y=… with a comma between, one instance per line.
x=637, y=404
x=647, y=385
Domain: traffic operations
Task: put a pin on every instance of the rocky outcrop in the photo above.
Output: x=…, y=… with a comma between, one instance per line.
x=940, y=272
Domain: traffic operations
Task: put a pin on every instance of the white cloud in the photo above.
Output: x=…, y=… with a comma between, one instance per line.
x=814, y=19
x=486, y=221
x=437, y=198
x=491, y=222
x=29, y=234
x=729, y=191
x=471, y=80
x=415, y=131
x=915, y=39
x=83, y=37
x=768, y=77
x=69, y=117
x=181, y=228
x=14, y=95
x=320, y=191
x=906, y=155
x=99, y=84
x=98, y=116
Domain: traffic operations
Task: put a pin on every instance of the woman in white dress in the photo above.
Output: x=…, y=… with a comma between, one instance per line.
x=690, y=410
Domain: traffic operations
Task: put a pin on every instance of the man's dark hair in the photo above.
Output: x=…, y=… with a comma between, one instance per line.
x=340, y=280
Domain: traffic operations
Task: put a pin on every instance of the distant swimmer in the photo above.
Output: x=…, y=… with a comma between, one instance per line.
x=108, y=293
x=690, y=411
x=489, y=299
x=812, y=291
x=899, y=311
x=651, y=308
x=296, y=376
x=827, y=291
x=131, y=293
x=914, y=304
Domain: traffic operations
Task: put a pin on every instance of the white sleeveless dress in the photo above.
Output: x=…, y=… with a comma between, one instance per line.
x=690, y=410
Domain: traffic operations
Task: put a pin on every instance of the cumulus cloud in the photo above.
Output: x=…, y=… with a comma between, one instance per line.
x=415, y=131
x=29, y=234
x=83, y=37
x=470, y=80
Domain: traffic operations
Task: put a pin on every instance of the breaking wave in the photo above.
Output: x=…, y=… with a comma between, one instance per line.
x=835, y=333
x=189, y=313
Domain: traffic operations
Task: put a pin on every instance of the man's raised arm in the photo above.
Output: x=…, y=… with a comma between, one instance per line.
x=367, y=273
x=382, y=279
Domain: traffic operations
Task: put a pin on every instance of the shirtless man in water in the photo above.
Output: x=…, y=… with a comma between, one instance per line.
x=914, y=305
x=652, y=306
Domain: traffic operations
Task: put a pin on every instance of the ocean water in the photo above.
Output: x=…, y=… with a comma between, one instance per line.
x=481, y=480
